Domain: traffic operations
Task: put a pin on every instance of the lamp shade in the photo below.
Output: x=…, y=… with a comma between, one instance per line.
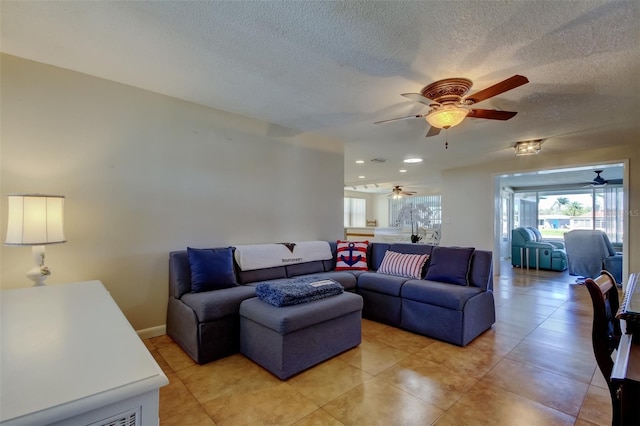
x=35, y=219
x=446, y=116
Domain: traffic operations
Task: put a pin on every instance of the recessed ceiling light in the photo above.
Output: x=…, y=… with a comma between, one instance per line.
x=413, y=160
x=402, y=170
x=359, y=161
x=361, y=177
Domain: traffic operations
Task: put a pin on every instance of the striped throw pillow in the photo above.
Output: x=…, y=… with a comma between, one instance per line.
x=351, y=255
x=403, y=265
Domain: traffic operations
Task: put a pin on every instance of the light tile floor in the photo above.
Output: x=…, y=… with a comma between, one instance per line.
x=534, y=367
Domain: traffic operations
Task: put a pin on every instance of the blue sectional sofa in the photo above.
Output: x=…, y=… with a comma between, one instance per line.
x=452, y=301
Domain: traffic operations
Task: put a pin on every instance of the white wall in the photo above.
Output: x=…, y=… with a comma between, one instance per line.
x=469, y=205
x=145, y=174
x=381, y=207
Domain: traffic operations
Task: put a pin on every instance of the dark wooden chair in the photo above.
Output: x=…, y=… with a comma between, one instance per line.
x=606, y=331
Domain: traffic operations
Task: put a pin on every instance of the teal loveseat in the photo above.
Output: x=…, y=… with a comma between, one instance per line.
x=528, y=252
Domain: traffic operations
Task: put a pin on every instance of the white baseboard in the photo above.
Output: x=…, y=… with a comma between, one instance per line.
x=152, y=332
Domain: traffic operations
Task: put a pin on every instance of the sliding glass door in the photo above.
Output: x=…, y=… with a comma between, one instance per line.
x=555, y=212
x=556, y=201
x=610, y=208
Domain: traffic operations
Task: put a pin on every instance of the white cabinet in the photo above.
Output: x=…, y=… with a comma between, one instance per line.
x=69, y=356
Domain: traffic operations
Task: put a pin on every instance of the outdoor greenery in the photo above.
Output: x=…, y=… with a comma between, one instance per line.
x=554, y=233
x=564, y=206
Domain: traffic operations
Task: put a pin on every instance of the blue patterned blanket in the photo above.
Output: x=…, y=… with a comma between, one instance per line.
x=297, y=290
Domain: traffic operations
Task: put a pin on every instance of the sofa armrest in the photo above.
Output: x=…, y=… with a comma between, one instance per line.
x=556, y=244
x=613, y=264
x=541, y=245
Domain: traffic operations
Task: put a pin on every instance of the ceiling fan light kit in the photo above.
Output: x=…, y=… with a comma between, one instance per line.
x=528, y=147
x=446, y=116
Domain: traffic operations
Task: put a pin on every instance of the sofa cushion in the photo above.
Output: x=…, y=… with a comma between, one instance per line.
x=481, y=272
x=304, y=268
x=381, y=283
x=179, y=274
x=330, y=264
x=403, y=265
x=410, y=248
x=211, y=269
x=438, y=293
x=213, y=305
x=450, y=265
x=377, y=252
x=351, y=255
x=347, y=279
x=247, y=277
x=536, y=233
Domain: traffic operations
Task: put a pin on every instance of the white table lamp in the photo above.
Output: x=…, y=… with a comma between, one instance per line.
x=36, y=220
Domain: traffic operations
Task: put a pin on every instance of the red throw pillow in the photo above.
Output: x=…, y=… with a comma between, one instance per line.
x=351, y=255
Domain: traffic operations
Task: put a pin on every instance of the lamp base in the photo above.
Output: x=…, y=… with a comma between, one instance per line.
x=36, y=276
x=40, y=271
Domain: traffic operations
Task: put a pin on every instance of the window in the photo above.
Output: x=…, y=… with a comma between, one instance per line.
x=355, y=212
x=525, y=209
x=557, y=212
x=431, y=202
x=609, y=212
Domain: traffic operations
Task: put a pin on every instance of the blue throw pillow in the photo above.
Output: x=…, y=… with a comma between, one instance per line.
x=450, y=265
x=211, y=269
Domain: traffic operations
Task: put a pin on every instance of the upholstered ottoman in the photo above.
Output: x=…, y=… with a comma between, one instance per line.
x=286, y=340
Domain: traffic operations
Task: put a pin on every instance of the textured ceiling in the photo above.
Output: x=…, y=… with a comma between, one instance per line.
x=336, y=67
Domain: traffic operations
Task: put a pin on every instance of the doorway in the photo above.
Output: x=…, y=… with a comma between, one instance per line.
x=556, y=201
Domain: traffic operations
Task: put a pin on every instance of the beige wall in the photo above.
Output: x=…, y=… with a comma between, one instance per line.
x=145, y=174
x=469, y=205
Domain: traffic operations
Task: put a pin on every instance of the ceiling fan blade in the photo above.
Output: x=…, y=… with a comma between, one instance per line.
x=417, y=97
x=400, y=118
x=433, y=131
x=496, y=89
x=491, y=114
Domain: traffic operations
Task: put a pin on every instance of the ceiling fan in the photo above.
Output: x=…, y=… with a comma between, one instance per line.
x=397, y=192
x=600, y=181
x=447, y=101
